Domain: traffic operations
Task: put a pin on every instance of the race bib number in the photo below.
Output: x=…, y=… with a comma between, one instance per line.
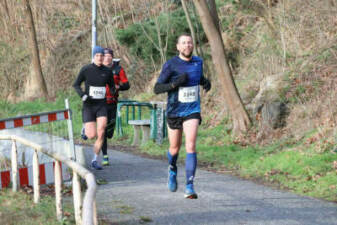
x=97, y=92
x=188, y=94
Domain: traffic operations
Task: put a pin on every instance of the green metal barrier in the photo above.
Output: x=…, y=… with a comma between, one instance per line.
x=121, y=103
x=154, y=114
x=133, y=104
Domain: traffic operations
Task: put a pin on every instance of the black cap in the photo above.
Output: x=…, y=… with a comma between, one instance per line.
x=108, y=51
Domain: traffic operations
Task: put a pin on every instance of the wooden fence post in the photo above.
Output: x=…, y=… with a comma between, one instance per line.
x=77, y=198
x=14, y=167
x=36, y=177
x=58, y=190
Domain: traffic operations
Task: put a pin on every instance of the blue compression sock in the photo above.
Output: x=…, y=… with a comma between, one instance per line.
x=191, y=167
x=172, y=160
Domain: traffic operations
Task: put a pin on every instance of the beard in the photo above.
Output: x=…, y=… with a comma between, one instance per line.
x=187, y=55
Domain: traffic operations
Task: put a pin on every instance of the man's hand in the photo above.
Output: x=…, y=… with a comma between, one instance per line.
x=85, y=98
x=207, y=85
x=180, y=80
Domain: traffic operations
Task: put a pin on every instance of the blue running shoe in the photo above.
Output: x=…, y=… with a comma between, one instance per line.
x=172, y=180
x=189, y=192
x=83, y=136
x=94, y=164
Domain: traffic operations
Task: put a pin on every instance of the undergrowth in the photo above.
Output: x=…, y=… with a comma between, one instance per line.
x=19, y=208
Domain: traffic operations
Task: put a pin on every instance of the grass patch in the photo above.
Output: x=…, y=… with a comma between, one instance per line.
x=145, y=219
x=18, y=208
x=125, y=209
x=288, y=164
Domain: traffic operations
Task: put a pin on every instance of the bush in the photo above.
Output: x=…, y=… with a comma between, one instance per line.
x=139, y=44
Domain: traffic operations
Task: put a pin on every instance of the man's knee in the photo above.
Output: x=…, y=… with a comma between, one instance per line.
x=174, y=149
x=90, y=134
x=100, y=131
x=190, y=146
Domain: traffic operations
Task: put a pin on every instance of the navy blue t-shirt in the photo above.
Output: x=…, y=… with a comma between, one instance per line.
x=185, y=100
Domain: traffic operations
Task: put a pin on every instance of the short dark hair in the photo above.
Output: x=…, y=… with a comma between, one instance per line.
x=183, y=35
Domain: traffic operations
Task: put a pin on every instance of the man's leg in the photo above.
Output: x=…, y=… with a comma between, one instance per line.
x=175, y=137
x=105, y=161
x=90, y=129
x=101, y=124
x=83, y=136
x=190, y=130
x=109, y=131
x=91, y=132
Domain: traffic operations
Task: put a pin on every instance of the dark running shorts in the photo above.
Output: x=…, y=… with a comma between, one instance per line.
x=177, y=122
x=93, y=111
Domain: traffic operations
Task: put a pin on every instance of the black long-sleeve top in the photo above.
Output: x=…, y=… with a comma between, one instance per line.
x=95, y=77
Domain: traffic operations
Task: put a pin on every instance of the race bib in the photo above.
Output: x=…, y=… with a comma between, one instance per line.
x=97, y=92
x=188, y=94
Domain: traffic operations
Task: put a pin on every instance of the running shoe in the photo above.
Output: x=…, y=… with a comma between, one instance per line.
x=189, y=192
x=172, y=180
x=83, y=136
x=94, y=164
x=105, y=161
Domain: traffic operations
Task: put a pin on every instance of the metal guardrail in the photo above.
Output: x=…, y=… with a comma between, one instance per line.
x=84, y=214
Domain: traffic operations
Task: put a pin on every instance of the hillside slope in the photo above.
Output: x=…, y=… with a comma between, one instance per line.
x=283, y=52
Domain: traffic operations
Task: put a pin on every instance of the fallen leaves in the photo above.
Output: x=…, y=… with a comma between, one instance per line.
x=334, y=165
x=274, y=172
x=67, y=214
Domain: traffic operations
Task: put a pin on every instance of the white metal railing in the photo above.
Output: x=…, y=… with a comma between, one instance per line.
x=84, y=213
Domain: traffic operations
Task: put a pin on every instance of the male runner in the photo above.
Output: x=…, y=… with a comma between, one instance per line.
x=94, y=112
x=181, y=77
x=121, y=84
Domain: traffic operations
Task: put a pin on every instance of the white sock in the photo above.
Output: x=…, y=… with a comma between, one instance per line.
x=95, y=158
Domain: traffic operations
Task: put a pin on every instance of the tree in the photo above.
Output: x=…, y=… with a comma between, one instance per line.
x=241, y=121
x=152, y=9
x=212, y=9
x=36, y=85
x=190, y=25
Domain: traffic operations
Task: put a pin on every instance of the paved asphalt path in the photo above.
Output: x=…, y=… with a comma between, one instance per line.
x=136, y=193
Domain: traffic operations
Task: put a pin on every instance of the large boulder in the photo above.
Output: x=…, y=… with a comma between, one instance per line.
x=273, y=114
x=269, y=91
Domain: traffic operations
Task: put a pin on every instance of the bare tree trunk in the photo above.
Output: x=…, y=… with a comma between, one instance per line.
x=212, y=8
x=206, y=67
x=241, y=121
x=266, y=15
x=188, y=18
x=36, y=86
x=6, y=9
x=160, y=44
x=7, y=20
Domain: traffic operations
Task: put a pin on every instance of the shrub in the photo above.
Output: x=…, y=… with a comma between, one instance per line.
x=140, y=45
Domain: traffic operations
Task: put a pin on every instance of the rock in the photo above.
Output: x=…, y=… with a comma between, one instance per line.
x=273, y=114
x=269, y=91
